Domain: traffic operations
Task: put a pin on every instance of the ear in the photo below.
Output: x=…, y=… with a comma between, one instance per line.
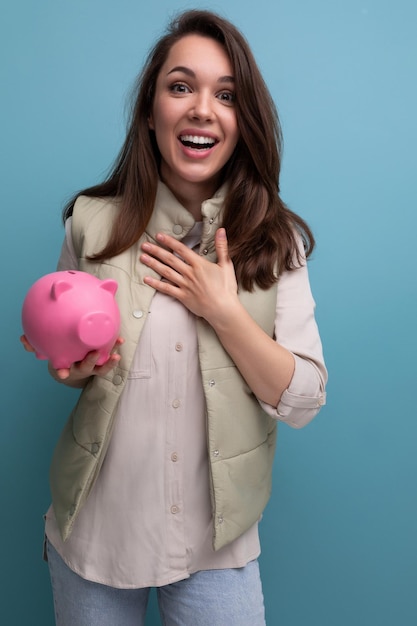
x=109, y=285
x=59, y=287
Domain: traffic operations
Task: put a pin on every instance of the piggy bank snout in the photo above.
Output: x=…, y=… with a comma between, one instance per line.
x=96, y=329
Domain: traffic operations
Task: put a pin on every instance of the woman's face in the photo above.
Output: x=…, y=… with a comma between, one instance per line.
x=194, y=116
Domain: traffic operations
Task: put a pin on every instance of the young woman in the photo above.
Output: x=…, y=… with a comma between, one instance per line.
x=164, y=468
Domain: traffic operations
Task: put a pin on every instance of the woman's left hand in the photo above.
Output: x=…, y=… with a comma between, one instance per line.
x=206, y=289
x=210, y=291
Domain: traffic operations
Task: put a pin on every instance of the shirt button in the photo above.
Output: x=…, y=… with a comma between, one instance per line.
x=137, y=313
x=212, y=383
x=174, y=457
x=177, y=229
x=211, y=220
x=178, y=347
x=175, y=509
x=220, y=519
x=205, y=251
x=216, y=453
x=176, y=403
x=117, y=379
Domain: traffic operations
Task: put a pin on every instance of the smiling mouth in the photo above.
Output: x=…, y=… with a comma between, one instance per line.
x=197, y=142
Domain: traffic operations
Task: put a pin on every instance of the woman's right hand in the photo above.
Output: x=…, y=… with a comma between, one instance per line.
x=27, y=346
x=78, y=374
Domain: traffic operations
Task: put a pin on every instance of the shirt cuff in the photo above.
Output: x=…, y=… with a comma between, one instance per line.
x=303, y=399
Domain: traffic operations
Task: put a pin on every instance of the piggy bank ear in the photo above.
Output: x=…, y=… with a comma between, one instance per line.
x=109, y=285
x=59, y=287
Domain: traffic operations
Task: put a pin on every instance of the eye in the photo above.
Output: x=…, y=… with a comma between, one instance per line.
x=227, y=97
x=179, y=88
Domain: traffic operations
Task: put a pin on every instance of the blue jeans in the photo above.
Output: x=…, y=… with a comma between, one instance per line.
x=229, y=597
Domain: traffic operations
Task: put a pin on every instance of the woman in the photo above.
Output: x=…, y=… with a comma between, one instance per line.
x=164, y=468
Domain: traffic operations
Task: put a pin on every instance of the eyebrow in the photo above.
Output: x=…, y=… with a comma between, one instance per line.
x=189, y=72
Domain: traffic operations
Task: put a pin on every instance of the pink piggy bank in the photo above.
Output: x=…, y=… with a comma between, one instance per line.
x=67, y=314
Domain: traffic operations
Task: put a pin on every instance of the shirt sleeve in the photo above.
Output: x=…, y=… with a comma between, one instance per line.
x=68, y=258
x=296, y=330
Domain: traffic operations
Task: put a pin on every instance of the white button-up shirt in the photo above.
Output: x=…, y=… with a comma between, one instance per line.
x=148, y=520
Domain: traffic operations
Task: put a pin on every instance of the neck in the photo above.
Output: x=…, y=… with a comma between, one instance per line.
x=192, y=196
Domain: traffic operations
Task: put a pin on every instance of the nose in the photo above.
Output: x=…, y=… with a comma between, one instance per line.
x=95, y=329
x=202, y=108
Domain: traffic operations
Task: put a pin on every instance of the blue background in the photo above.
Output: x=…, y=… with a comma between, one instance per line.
x=339, y=535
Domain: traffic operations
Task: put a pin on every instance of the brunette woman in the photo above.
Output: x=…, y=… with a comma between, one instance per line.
x=164, y=468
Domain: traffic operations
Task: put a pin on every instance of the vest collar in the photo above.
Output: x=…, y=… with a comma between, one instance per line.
x=170, y=217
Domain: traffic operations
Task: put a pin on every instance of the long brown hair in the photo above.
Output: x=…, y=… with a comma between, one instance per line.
x=261, y=230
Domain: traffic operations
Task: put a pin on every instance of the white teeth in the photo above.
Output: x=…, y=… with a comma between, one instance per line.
x=197, y=139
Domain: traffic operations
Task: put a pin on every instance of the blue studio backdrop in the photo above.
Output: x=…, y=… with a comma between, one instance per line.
x=339, y=535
